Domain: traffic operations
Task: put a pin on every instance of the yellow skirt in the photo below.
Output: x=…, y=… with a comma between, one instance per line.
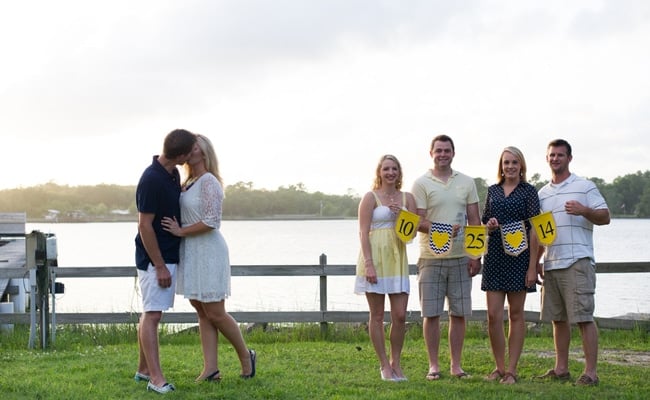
x=390, y=261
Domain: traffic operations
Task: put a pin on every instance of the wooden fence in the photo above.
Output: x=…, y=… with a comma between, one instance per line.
x=321, y=272
x=47, y=274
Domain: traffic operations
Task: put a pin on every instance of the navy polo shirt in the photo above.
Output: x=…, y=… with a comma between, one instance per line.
x=158, y=193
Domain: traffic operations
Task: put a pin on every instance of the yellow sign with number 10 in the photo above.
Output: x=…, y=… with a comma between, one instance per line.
x=406, y=225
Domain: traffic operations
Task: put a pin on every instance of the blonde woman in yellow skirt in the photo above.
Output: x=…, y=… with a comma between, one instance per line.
x=382, y=268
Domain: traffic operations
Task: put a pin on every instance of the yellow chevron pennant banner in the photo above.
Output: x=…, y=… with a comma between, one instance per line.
x=440, y=236
x=545, y=228
x=476, y=239
x=406, y=225
x=514, y=238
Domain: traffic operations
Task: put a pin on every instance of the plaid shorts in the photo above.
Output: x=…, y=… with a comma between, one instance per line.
x=444, y=278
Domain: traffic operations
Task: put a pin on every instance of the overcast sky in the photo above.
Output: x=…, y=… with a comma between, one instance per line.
x=314, y=92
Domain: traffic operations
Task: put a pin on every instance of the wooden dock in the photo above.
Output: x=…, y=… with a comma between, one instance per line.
x=12, y=255
x=12, y=249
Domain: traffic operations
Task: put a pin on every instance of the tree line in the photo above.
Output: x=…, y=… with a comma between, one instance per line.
x=627, y=196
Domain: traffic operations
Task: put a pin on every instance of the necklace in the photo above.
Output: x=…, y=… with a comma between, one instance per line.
x=192, y=181
x=389, y=196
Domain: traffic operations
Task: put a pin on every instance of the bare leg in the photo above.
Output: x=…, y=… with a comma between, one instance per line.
x=456, y=340
x=516, y=329
x=209, y=343
x=495, y=301
x=398, y=304
x=431, y=333
x=148, y=340
x=143, y=368
x=226, y=324
x=561, y=339
x=589, y=334
x=376, y=332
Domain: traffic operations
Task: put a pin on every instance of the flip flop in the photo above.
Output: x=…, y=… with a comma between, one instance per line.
x=433, y=376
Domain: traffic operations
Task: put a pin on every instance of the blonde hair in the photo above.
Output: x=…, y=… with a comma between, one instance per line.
x=377, y=183
x=522, y=162
x=209, y=158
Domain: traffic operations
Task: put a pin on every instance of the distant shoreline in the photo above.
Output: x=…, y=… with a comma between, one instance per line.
x=269, y=218
x=132, y=219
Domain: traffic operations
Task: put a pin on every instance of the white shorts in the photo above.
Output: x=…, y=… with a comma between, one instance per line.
x=155, y=298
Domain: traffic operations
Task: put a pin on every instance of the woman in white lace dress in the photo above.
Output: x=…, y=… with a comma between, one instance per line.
x=204, y=267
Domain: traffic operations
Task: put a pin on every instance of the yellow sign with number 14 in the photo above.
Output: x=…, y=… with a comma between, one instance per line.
x=545, y=228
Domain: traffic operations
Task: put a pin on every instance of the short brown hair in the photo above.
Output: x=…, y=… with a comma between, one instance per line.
x=177, y=143
x=443, y=138
x=560, y=142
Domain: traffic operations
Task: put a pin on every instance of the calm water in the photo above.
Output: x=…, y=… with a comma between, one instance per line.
x=302, y=242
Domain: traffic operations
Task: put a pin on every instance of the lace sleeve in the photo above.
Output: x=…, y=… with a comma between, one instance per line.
x=211, y=202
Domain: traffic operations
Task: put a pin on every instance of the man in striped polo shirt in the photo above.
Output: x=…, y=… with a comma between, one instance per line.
x=569, y=268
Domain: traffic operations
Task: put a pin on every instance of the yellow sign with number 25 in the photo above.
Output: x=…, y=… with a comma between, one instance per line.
x=476, y=239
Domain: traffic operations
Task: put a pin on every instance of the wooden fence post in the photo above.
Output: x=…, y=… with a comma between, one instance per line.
x=323, y=295
x=43, y=286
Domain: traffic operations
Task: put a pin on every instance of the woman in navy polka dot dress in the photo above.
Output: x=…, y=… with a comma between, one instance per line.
x=506, y=276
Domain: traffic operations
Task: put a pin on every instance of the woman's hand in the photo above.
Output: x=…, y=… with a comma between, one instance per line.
x=395, y=208
x=492, y=224
x=172, y=226
x=371, y=274
x=531, y=278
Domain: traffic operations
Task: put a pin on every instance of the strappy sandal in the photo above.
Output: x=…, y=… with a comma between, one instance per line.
x=495, y=375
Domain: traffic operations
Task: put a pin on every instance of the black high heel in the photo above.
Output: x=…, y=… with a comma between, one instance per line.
x=253, y=362
x=213, y=377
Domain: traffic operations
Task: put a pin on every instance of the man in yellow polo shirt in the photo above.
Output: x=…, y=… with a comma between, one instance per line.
x=443, y=195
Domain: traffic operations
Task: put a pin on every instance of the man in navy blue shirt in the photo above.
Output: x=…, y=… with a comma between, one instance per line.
x=157, y=251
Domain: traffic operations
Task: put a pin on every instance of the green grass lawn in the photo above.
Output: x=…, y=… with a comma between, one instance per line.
x=98, y=362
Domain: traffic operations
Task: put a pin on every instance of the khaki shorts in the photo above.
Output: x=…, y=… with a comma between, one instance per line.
x=444, y=278
x=155, y=298
x=568, y=294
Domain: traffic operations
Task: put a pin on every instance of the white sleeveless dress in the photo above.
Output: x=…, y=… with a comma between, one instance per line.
x=204, y=267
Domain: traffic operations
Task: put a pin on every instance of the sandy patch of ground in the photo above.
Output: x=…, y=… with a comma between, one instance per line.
x=619, y=357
